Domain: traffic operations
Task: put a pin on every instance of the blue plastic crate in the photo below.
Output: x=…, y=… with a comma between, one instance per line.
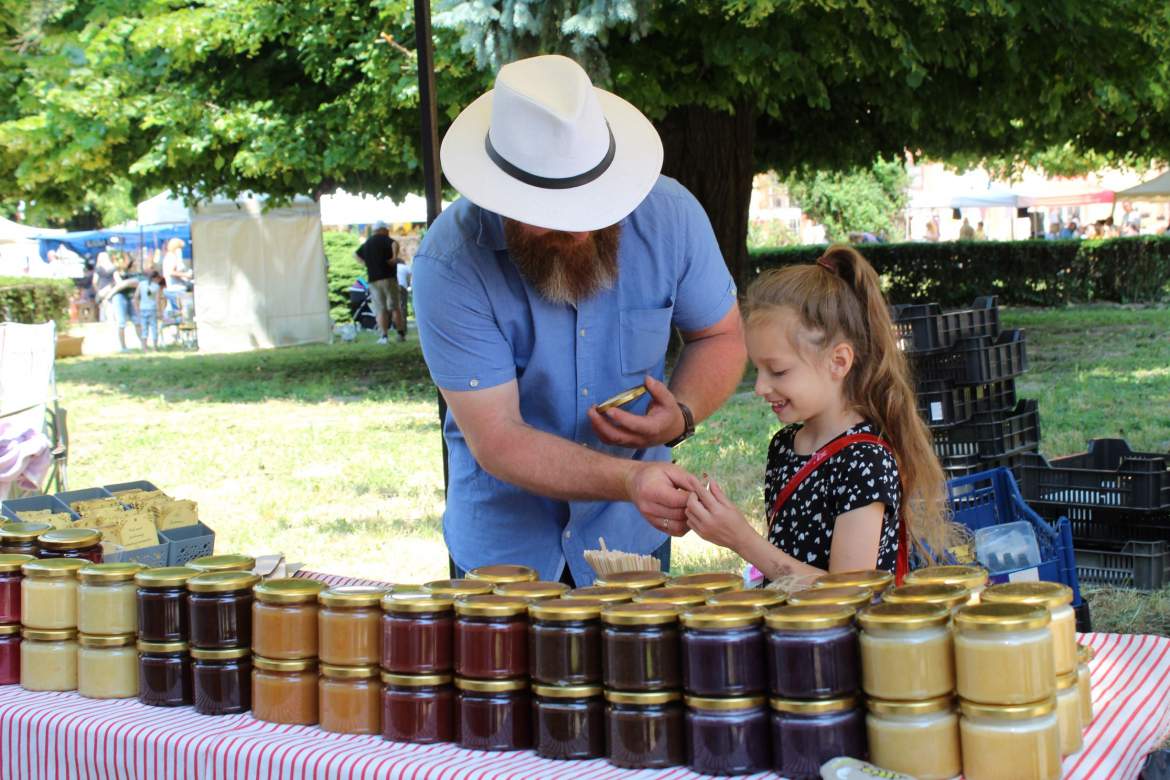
x=85, y=494
x=13, y=507
x=140, y=484
x=992, y=498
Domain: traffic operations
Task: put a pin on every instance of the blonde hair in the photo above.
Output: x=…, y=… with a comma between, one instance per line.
x=175, y=245
x=839, y=298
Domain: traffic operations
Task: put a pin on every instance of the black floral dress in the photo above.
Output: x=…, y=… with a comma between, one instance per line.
x=856, y=476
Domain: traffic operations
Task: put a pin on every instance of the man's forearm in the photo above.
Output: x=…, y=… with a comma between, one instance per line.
x=708, y=371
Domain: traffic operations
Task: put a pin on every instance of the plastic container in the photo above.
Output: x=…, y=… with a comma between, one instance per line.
x=107, y=666
x=10, y=579
x=806, y=734
x=491, y=637
x=284, y=619
x=991, y=434
x=645, y=730
x=350, y=699
x=1142, y=566
x=221, y=680
x=565, y=642
x=1003, y=654
x=418, y=708
x=48, y=593
x=812, y=652
x=1020, y=742
x=493, y=714
x=640, y=647
x=727, y=736
x=1056, y=598
x=418, y=634
x=977, y=360
x=349, y=626
x=945, y=404
x=79, y=543
x=162, y=608
x=164, y=674
x=1108, y=474
x=919, y=738
x=568, y=721
x=48, y=660
x=925, y=327
x=1007, y=547
x=220, y=607
x=906, y=652
x=284, y=691
x=189, y=543
x=723, y=651
x=107, y=599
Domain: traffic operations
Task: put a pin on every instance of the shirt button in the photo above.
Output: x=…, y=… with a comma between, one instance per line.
x=474, y=383
x=581, y=333
x=584, y=391
x=568, y=534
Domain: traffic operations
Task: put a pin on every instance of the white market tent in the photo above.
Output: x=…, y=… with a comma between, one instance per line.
x=343, y=208
x=1152, y=191
x=261, y=275
x=162, y=209
x=20, y=252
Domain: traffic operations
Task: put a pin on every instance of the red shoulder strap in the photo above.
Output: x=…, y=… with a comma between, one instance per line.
x=818, y=458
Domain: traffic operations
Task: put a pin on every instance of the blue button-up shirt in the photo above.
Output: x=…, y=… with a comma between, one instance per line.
x=482, y=324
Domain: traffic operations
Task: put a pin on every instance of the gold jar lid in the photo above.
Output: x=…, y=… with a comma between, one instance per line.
x=810, y=617
x=489, y=606
x=1052, y=595
x=109, y=572
x=756, y=597
x=164, y=577
x=69, y=538
x=1008, y=712
x=162, y=647
x=708, y=618
x=639, y=614
x=416, y=680
x=46, y=635
x=724, y=704
x=566, y=691
x=289, y=590
x=565, y=610
x=643, y=699
x=909, y=708
x=335, y=672
x=813, y=707
x=636, y=580
x=875, y=580
x=100, y=640
x=9, y=629
x=456, y=588
x=949, y=596
x=680, y=597
x=903, y=617
x=415, y=602
x=610, y=594
x=1000, y=618
x=491, y=686
x=970, y=577
x=351, y=597
x=221, y=654
x=283, y=665
x=222, y=582
x=22, y=532
x=502, y=573
x=849, y=596
x=11, y=563
x=711, y=581
x=532, y=591
x=1066, y=681
x=209, y=563
x=54, y=568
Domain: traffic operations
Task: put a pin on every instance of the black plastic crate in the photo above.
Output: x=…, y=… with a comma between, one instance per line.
x=991, y=434
x=1107, y=474
x=966, y=465
x=925, y=327
x=1137, y=565
x=974, y=361
x=1107, y=527
x=945, y=404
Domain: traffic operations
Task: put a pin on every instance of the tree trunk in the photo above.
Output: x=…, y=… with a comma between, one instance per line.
x=710, y=153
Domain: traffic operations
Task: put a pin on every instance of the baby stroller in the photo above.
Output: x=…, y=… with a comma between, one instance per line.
x=360, y=308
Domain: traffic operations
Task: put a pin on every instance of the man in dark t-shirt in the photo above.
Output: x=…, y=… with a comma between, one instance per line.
x=380, y=254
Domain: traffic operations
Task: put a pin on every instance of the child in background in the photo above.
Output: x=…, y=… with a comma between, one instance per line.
x=150, y=302
x=823, y=344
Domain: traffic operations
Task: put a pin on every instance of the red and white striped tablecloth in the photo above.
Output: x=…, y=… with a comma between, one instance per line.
x=55, y=736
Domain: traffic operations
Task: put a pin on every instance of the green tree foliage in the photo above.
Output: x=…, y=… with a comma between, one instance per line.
x=856, y=200
x=344, y=267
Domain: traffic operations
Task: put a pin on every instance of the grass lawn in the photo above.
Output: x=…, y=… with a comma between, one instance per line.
x=331, y=454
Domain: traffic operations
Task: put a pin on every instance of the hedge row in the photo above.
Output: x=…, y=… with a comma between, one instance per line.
x=35, y=300
x=1038, y=273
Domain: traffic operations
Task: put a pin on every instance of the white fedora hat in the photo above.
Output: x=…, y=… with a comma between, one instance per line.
x=547, y=148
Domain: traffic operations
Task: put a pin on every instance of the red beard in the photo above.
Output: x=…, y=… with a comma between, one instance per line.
x=562, y=267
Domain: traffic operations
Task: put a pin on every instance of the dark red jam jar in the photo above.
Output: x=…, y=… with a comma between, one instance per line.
x=491, y=637
x=812, y=652
x=640, y=647
x=645, y=730
x=565, y=642
x=806, y=734
x=10, y=579
x=221, y=680
x=83, y=543
x=164, y=674
x=418, y=708
x=493, y=714
x=417, y=633
x=21, y=538
x=10, y=654
x=568, y=721
x=723, y=651
x=163, y=612
x=220, y=609
x=728, y=736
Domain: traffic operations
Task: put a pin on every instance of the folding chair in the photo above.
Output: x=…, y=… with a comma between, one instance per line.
x=28, y=391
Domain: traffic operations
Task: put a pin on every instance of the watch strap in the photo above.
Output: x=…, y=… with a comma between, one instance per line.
x=688, y=423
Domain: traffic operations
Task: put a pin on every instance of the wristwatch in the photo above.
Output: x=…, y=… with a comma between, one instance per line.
x=689, y=425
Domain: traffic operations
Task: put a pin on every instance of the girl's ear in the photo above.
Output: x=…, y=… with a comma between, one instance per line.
x=840, y=360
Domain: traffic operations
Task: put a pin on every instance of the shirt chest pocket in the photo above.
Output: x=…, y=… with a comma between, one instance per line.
x=644, y=335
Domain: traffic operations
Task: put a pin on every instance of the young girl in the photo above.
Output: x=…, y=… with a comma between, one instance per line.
x=823, y=344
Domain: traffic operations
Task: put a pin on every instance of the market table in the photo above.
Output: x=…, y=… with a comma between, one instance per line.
x=62, y=735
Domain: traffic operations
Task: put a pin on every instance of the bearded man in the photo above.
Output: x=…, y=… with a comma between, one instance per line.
x=551, y=285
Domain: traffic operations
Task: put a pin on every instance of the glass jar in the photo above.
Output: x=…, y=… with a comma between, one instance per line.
x=491, y=637
x=950, y=597
x=973, y=578
x=21, y=538
x=284, y=690
x=9, y=654
x=812, y=652
x=564, y=642
x=164, y=674
x=632, y=580
x=568, y=721
x=48, y=660
x=873, y=580
x=503, y=573
x=532, y=592
x=675, y=597
x=163, y=612
x=1057, y=599
x=712, y=582
x=1068, y=714
x=493, y=714
x=107, y=666
x=607, y=594
x=453, y=589
x=1003, y=654
x=723, y=651
x=917, y=738
x=107, y=599
x=220, y=609
x=645, y=730
x=1016, y=742
x=640, y=647
x=80, y=543
x=418, y=708
x=1085, y=683
x=284, y=619
x=349, y=625
x=762, y=598
x=806, y=734
x=221, y=680
x=350, y=699
x=845, y=596
x=48, y=594
x=906, y=651
x=213, y=563
x=418, y=634
x=10, y=578
x=728, y=736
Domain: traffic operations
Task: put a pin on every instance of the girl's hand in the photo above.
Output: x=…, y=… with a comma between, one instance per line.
x=712, y=516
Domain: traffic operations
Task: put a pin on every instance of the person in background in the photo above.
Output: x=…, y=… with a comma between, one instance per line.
x=177, y=275
x=1053, y=233
x=380, y=255
x=150, y=303
x=932, y=231
x=1070, y=230
x=103, y=282
x=405, y=276
x=966, y=232
x=980, y=235
x=121, y=300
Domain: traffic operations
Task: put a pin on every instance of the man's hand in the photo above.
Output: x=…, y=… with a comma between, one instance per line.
x=711, y=515
x=659, y=491
x=662, y=421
